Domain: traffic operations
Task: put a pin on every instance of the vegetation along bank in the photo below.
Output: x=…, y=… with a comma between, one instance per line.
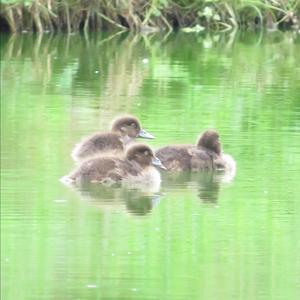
x=147, y=15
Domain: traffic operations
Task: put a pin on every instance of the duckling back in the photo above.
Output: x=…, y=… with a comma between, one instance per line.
x=106, y=170
x=98, y=143
x=184, y=157
x=175, y=157
x=201, y=160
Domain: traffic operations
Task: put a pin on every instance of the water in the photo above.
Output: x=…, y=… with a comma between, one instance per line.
x=202, y=236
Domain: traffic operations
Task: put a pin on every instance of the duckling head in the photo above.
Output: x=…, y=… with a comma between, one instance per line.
x=131, y=127
x=210, y=140
x=143, y=155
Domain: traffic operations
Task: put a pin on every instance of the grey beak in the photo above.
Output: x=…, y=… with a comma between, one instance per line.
x=157, y=162
x=144, y=134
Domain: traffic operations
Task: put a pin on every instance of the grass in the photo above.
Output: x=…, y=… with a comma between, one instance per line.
x=147, y=15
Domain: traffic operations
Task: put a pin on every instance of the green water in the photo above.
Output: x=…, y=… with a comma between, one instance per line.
x=202, y=236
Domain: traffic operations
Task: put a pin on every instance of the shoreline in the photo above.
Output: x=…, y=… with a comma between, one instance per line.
x=148, y=16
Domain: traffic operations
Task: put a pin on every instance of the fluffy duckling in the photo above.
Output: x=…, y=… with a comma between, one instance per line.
x=209, y=141
x=123, y=131
x=135, y=168
x=206, y=155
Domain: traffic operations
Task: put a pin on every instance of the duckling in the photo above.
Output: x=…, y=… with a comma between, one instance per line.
x=136, y=167
x=209, y=141
x=206, y=155
x=123, y=131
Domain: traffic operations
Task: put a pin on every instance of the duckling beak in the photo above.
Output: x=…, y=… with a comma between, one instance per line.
x=144, y=134
x=157, y=162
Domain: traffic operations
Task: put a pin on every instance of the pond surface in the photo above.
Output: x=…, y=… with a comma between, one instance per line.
x=201, y=236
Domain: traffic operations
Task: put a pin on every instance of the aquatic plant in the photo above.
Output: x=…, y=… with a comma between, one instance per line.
x=146, y=15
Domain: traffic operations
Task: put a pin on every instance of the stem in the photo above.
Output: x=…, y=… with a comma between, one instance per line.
x=68, y=18
x=111, y=21
x=86, y=23
x=11, y=20
x=167, y=23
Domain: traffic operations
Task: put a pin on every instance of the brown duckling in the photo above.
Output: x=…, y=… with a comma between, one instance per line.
x=123, y=131
x=136, y=167
x=209, y=141
x=206, y=155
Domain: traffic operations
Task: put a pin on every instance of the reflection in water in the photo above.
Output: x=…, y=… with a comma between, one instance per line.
x=140, y=204
x=118, y=64
x=140, y=200
x=209, y=184
x=208, y=188
x=206, y=185
x=137, y=201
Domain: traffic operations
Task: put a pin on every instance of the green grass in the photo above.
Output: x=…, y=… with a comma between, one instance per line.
x=147, y=15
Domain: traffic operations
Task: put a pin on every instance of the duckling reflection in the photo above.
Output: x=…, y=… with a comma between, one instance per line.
x=134, y=201
x=141, y=204
x=206, y=185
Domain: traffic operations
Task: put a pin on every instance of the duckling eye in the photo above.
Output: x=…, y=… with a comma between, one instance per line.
x=146, y=152
x=133, y=125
